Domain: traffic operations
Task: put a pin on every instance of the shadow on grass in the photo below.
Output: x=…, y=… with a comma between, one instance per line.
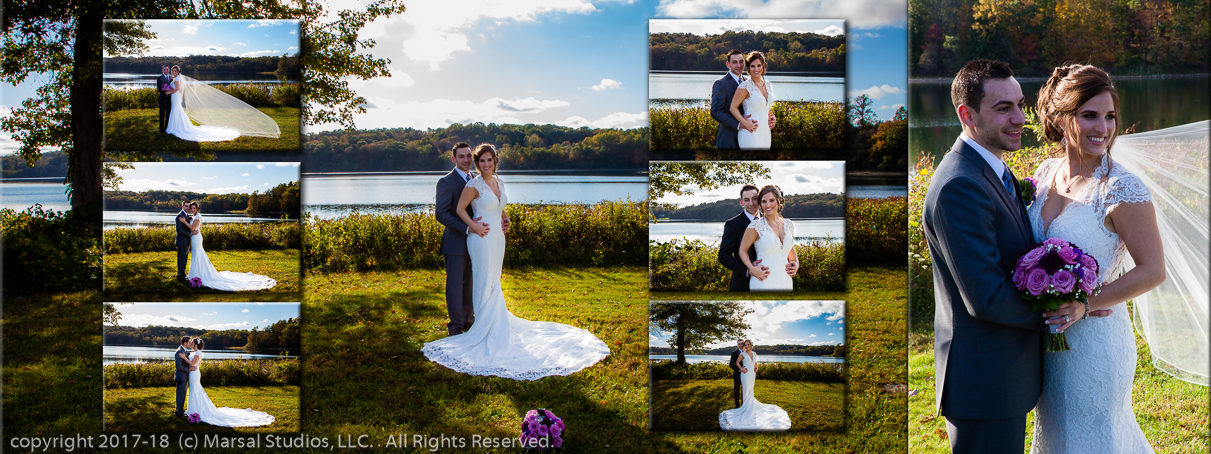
x=139, y=130
x=155, y=272
x=688, y=407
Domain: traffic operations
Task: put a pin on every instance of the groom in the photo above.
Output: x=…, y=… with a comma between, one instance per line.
x=988, y=343
x=733, y=232
x=737, y=370
x=184, y=229
x=181, y=377
x=163, y=100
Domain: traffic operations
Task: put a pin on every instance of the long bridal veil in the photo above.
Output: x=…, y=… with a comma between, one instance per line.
x=210, y=106
x=1173, y=318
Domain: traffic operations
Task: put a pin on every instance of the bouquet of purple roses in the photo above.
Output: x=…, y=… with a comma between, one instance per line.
x=195, y=282
x=541, y=429
x=1052, y=273
x=166, y=87
x=194, y=418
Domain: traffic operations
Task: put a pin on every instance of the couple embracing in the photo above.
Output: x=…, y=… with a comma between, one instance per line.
x=743, y=105
x=485, y=337
x=201, y=272
x=758, y=244
x=189, y=382
x=989, y=360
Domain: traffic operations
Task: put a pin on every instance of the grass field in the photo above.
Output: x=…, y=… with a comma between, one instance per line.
x=150, y=410
x=155, y=272
x=684, y=405
x=1172, y=413
x=139, y=130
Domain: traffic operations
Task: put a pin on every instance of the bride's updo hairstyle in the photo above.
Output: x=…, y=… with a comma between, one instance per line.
x=176, y=68
x=485, y=149
x=772, y=189
x=756, y=55
x=1069, y=88
x=195, y=206
x=198, y=343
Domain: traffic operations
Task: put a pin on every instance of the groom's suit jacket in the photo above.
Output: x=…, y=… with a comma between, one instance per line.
x=988, y=349
x=160, y=82
x=729, y=252
x=722, y=92
x=182, y=365
x=182, y=229
x=449, y=189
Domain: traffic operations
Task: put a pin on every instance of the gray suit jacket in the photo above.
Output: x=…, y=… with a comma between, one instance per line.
x=722, y=92
x=449, y=189
x=988, y=349
x=182, y=229
x=182, y=365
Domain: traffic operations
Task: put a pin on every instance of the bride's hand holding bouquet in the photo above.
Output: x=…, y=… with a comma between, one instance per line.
x=1055, y=272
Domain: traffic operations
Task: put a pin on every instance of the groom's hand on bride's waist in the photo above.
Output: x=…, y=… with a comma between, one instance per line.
x=504, y=222
x=792, y=268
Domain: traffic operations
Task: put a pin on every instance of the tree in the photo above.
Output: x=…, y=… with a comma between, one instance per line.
x=696, y=325
x=682, y=178
x=112, y=316
x=862, y=111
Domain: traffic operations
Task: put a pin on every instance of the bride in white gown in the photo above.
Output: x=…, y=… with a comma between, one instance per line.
x=199, y=403
x=774, y=237
x=1091, y=200
x=753, y=416
x=498, y=343
x=200, y=266
x=222, y=117
x=757, y=95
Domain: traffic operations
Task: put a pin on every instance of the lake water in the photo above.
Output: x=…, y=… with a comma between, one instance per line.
x=685, y=90
x=139, y=219
x=130, y=81
x=876, y=191
x=1149, y=104
x=114, y=354
x=329, y=196
x=711, y=232
x=694, y=359
x=24, y=194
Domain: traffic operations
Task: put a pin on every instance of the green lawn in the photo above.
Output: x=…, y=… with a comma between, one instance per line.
x=1172, y=413
x=708, y=295
x=150, y=410
x=155, y=272
x=695, y=404
x=139, y=130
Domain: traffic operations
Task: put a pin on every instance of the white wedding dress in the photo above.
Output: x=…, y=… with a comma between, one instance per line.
x=499, y=343
x=753, y=416
x=758, y=107
x=200, y=267
x=1086, y=402
x=180, y=126
x=199, y=403
x=773, y=254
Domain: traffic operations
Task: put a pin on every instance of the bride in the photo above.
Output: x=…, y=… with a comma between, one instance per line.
x=199, y=403
x=1092, y=200
x=774, y=237
x=200, y=266
x=752, y=415
x=222, y=117
x=757, y=94
x=498, y=343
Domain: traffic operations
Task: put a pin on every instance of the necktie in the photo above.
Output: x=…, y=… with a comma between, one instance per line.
x=468, y=176
x=1007, y=178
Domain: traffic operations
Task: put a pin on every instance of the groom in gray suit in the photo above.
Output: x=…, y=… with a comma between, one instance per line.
x=988, y=349
x=181, y=377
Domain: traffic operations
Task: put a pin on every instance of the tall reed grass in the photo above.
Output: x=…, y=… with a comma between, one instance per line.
x=608, y=233
x=227, y=372
x=216, y=237
x=255, y=95
x=876, y=231
x=694, y=266
x=801, y=126
x=816, y=372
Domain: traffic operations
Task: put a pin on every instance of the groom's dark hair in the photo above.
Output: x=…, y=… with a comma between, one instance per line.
x=454, y=151
x=746, y=188
x=184, y=339
x=732, y=52
x=968, y=85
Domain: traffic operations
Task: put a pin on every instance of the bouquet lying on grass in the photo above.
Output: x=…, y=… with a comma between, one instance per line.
x=1052, y=273
x=541, y=430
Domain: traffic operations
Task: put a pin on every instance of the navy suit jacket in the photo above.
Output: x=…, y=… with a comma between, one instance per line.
x=722, y=92
x=729, y=252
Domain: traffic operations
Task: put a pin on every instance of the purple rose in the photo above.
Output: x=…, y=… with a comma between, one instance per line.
x=1051, y=262
x=559, y=424
x=1019, y=277
x=1088, y=262
x=556, y=430
x=531, y=414
x=1088, y=281
x=1063, y=280
x=543, y=430
x=1053, y=241
x=1068, y=254
x=1036, y=282
x=556, y=442
x=1027, y=261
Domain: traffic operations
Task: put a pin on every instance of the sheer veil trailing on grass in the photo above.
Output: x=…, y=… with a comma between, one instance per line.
x=1172, y=163
x=212, y=107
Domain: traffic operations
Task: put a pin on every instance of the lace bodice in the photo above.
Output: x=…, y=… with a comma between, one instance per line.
x=770, y=249
x=757, y=104
x=486, y=203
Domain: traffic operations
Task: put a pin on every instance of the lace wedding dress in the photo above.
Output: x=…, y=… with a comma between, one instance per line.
x=200, y=267
x=1086, y=402
x=773, y=253
x=199, y=403
x=499, y=343
x=753, y=416
x=758, y=106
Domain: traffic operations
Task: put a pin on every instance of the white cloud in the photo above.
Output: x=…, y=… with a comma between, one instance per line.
x=293, y=48
x=398, y=79
x=439, y=113
x=265, y=320
x=140, y=185
x=191, y=28
x=261, y=53
x=240, y=44
x=211, y=313
x=223, y=326
x=813, y=335
x=245, y=174
x=831, y=30
x=892, y=107
x=246, y=310
x=613, y=120
x=230, y=189
x=129, y=319
x=260, y=166
x=876, y=92
x=859, y=13
x=285, y=164
x=606, y=84
x=769, y=316
x=267, y=23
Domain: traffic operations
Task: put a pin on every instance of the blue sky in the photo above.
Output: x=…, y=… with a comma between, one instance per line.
x=793, y=177
x=208, y=177
x=783, y=322
x=236, y=38
x=212, y=316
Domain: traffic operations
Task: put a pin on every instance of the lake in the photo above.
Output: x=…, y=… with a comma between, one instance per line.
x=876, y=185
x=128, y=81
x=694, y=359
x=1149, y=104
x=114, y=354
x=329, y=196
x=692, y=89
x=139, y=219
x=712, y=231
x=23, y=194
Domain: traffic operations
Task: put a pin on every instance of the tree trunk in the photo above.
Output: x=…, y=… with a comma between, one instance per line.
x=681, y=338
x=85, y=158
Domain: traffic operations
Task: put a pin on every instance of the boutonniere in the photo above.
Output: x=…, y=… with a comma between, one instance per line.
x=1028, y=185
